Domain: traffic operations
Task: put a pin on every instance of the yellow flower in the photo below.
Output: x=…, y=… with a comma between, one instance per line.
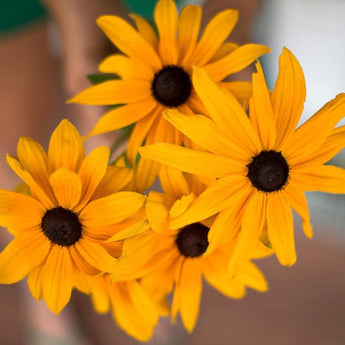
x=166, y=256
x=131, y=306
x=75, y=205
x=261, y=162
x=156, y=71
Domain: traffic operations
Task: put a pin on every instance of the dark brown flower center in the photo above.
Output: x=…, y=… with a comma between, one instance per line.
x=269, y=171
x=171, y=86
x=61, y=226
x=192, y=240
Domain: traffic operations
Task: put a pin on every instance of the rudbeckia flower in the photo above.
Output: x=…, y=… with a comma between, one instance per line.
x=131, y=306
x=60, y=229
x=261, y=162
x=176, y=259
x=156, y=71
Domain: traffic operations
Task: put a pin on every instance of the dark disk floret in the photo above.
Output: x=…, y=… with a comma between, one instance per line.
x=171, y=86
x=61, y=226
x=192, y=240
x=269, y=171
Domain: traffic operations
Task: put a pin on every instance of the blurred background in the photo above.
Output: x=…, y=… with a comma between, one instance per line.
x=45, y=52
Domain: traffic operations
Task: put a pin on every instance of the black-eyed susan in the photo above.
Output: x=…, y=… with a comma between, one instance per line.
x=156, y=71
x=176, y=259
x=130, y=305
x=262, y=163
x=75, y=205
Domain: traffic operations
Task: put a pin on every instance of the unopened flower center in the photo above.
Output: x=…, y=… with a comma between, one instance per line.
x=171, y=86
x=269, y=171
x=192, y=240
x=61, y=226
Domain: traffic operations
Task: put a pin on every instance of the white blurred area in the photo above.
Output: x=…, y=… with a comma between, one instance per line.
x=314, y=30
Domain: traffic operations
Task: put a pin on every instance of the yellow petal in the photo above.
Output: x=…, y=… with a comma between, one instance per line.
x=123, y=116
x=65, y=148
x=139, y=134
x=235, y=61
x=251, y=276
x=261, y=112
x=126, y=68
x=298, y=201
x=133, y=309
x=145, y=174
x=215, y=33
x=95, y=255
x=204, y=132
x=19, y=211
x=114, y=180
x=22, y=255
x=194, y=162
x=111, y=209
x=313, y=133
x=224, y=50
x=181, y=205
x=226, y=112
x=324, y=178
x=288, y=95
x=46, y=197
x=220, y=195
x=91, y=172
x=114, y=92
x=67, y=187
x=145, y=30
x=157, y=212
x=280, y=228
x=81, y=264
x=173, y=182
x=253, y=220
x=57, y=279
x=100, y=294
x=34, y=160
x=165, y=16
x=128, y=40
x=35, y=283
x=190, y=286
x=188, y=31
x=242, y=90
x=130, y=231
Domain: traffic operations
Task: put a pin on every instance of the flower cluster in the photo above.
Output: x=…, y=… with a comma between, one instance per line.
x=231, y=165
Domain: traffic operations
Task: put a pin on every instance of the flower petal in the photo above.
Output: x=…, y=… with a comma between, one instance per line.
x=65, y=148
x=194, y=162
x=19, y=211
x=22, y=255
x=280, y=228
x=299, y=203
x=205, y=133
x=189, y=285
x=111, y=209
x=114, y=92
x=46, y=197
x=165, y=16
x=260, y=111
x=220, y=195
x=288, y=95
x=188, y=31
x=95, y=255
x=57, y=279
x=91, y=172
x=173, y=182
x=129, y=41
x=235, y=61
x=251, y=276
x=313, y=133
x=67, y=187
x=324, y=178
x=226, y=112
x=157, y=212
x=126, y=68
x=146, y=30
x=253, y=221
x=83, y=265
x=242, y=90
x=215, y=33
x=123, y=116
